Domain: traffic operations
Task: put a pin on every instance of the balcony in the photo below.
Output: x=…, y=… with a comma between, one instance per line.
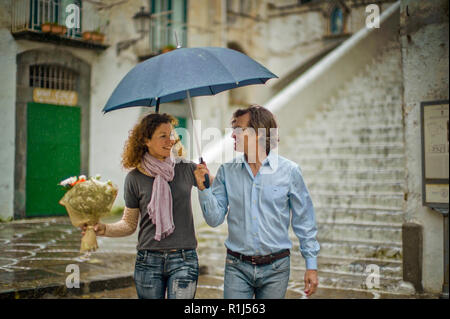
x=53, y=21
x=161, y=36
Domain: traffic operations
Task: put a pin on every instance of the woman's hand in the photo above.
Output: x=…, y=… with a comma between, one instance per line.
x=199, y=174
x=99, y=229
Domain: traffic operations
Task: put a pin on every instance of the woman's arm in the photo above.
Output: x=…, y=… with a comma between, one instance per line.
x=124, y=227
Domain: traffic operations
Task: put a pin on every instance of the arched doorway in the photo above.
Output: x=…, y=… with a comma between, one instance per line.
x=52, y=128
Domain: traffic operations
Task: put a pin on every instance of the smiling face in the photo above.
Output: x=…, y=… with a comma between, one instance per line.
x=162, y=141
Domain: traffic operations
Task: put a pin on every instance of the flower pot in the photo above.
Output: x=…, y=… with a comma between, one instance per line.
x=46, y=27
x=57, y=29
x=87, y=35
x=98, y=37
x=64, y=30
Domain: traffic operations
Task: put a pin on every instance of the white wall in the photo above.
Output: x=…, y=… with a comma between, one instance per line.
x=425, y=73
x=7, y=121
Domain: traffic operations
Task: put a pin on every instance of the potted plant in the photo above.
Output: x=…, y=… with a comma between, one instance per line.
x=168, y=48
x=46, y=27
x=98, y=36
x=56, y=28
x=87, y=35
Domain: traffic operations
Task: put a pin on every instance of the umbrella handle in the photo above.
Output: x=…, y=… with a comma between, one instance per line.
x=206, y=182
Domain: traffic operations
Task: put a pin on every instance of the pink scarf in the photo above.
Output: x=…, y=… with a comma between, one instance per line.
x=160, y=207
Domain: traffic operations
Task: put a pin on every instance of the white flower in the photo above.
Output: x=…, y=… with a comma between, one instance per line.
x=68, y=181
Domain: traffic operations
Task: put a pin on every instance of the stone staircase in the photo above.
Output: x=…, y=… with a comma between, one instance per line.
x=351, y=153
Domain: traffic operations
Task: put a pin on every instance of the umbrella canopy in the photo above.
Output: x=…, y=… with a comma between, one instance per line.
x=201, y=71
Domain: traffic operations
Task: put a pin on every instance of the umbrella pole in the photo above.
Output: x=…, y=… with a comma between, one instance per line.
x=206, y=182
x=157, y=106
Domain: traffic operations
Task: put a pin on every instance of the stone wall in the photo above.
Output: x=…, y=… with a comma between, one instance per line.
x=425, y=46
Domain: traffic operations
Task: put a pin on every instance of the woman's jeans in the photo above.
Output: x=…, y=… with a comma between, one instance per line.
x=177, y=272
x=244, y=280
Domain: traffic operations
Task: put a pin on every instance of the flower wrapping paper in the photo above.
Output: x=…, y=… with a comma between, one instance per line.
x=86, y=202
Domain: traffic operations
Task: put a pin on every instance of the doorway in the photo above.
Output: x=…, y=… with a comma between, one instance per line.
x=53, y=154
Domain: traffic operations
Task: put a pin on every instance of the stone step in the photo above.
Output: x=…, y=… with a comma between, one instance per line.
x=359, y=101
x=340, y=162
x=321, y=145
x=339, y=157
x=385, y=131
x=357, y=249
x=363, y=173
x=326, y=214
x=352, y=152
x=351, y=280
x=305, y=139
x=379, y=200
x=340, y=264
x=337, y=122
x=367, y=233
x=364, y=186
x=346, y=110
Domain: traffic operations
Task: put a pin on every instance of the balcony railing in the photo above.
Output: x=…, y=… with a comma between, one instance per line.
x=45, y=20
x=32, y=14
x=162, y=34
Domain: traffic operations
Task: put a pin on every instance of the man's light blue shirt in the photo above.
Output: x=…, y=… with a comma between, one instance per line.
x=259, y=207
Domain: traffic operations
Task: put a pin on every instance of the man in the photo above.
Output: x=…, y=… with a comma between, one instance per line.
x=258, y=191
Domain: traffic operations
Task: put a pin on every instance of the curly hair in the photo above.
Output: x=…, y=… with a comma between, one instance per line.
x=135, y=146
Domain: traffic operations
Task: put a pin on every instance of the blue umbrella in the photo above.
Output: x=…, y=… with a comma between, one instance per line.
x=195, y=71
x=183, y=73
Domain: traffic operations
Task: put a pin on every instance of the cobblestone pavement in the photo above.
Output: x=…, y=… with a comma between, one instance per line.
x=35, y=253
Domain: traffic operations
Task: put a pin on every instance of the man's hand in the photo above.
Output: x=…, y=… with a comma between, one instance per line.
x=200, y=175
x=311, y=282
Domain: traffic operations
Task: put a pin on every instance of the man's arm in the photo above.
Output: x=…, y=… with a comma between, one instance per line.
x=213, y=200
x=303, y=219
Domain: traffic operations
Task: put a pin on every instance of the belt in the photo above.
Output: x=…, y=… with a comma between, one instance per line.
x=261, y=260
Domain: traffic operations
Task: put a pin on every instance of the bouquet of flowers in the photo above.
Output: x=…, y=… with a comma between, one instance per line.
x=86, y=201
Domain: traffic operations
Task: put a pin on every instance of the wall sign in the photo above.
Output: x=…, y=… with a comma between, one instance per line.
x=52, y=96
x=435, y=149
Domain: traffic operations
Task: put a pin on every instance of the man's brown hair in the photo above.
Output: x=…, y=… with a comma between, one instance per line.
x=260, y=117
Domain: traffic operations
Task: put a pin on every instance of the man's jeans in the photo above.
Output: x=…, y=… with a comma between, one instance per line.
x=244, y=280
x=175, y=271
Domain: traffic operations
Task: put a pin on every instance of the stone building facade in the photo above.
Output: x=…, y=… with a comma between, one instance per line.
x=347, y=101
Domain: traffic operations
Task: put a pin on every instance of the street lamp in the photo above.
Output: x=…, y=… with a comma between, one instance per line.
x=141, y=22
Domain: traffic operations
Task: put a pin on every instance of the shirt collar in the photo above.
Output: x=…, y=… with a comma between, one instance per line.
x=270, y=159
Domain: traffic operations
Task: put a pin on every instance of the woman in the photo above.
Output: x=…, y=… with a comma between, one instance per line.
x=157, y=192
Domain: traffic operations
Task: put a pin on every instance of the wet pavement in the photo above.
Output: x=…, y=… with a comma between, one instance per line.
x=36, y=256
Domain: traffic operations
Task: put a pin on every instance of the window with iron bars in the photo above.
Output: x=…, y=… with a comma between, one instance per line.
x=51, y=76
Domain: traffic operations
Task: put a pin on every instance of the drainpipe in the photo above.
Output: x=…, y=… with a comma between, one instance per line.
x=444, y=212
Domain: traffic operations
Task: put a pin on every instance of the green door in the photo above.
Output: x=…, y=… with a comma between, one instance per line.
x=53, y=154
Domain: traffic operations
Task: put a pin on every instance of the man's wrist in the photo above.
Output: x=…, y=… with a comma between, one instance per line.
x=311, y=263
